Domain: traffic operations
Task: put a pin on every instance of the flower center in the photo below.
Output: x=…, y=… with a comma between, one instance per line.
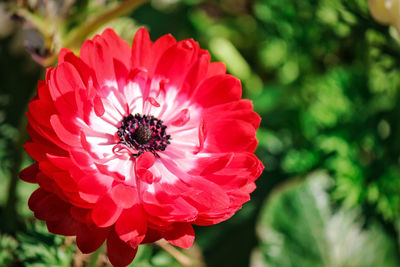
x=143, y=133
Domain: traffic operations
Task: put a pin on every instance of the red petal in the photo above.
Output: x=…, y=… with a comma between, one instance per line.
x=124, y=196
x=230, y=136
x=63, y=180
x=152, y=236
x=159, y=47
x=195, y=75
x=242, y=169
x=80, y=214
x=102, y=52
x=145, y=161
x=175, y=62
x=63, y=163
x=153, y=102
x=182, y=235
x=239, y=110
x=145, y=175
x=218, y=90
x=145, y=55
x=89, y=239
x=182, y=118
x=67, y=226
x=106, y=212
x=38, y=150
x=208, y=165
x=45, y=182
x=65, y=135
x=29, y=173
x=131, y=226
x=141, y=49
x=47, y=206
x=120, y=253
x=121, y=50
x=98, y=106
x=65, y=79
x=86, y=73
x=93, y=186
x=216, y=68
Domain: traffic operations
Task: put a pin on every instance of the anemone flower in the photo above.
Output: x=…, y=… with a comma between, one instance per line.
x=135, y=144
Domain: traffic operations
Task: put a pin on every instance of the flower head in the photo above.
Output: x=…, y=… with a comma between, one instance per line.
x=137, y=144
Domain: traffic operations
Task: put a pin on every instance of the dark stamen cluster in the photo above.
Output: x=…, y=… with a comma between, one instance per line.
x=143, y=133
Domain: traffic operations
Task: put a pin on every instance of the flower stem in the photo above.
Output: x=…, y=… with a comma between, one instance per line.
x=179, y=256
x=75, y=38
x=36, y=21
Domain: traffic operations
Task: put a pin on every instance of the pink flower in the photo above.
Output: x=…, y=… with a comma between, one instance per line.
x=136, y=144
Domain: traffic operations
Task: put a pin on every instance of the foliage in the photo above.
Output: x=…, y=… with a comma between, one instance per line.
x=35, y=247
x=299, y=227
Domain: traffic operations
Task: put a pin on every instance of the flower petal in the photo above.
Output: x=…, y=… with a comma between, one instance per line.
x=217, y=90
x=106, y=212
x=124, y=196
x=89, y=239
x=182, y=235
x=131, y=226
x=119, y=252
x=29, y=173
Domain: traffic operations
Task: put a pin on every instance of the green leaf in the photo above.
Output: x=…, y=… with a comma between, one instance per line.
x=40, y=248
x=298, y=227
x=8, y=246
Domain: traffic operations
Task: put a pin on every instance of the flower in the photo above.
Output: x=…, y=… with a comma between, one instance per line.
x=137, y=144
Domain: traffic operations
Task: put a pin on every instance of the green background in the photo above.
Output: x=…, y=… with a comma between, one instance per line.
x=324, y=77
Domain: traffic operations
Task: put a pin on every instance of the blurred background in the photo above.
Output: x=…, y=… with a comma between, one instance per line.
x=323, y=75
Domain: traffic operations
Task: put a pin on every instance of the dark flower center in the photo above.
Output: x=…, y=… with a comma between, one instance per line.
x=143, y=133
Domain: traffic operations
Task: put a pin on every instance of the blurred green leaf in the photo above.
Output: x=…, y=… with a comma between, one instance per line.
x=226, y=52
x=38, y=247
x=298, y=227
x=8, y=246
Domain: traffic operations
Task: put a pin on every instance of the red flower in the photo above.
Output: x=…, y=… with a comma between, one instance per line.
x=136, y=144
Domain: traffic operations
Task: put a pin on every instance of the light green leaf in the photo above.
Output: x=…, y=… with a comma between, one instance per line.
x=299, y=228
